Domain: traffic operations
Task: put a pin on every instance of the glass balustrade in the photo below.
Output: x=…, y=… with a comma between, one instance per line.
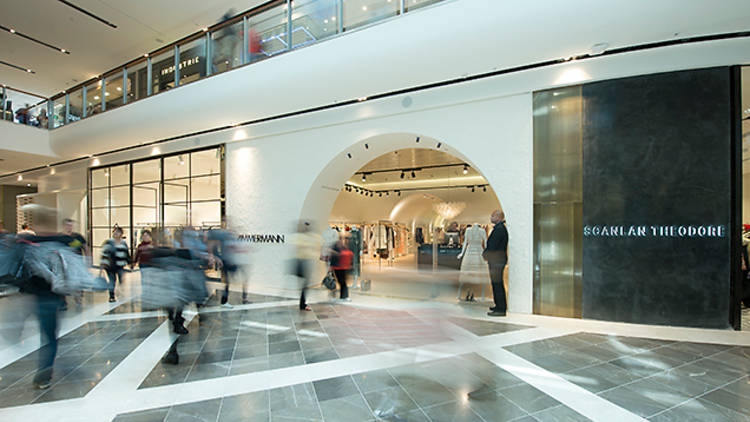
x=255, y=35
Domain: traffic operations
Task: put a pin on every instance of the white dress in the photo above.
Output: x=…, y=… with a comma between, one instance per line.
x=474, y=269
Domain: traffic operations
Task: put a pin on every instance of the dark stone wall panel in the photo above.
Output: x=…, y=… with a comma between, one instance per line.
x=657, y=151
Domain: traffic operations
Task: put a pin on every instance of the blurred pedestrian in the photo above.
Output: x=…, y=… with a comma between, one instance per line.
x=341, y=264
x=77, y=243
x=26, y=230
x=41, y=119
x=115, y=257
x=496, y=255
x=38, y=277
x=306, y=251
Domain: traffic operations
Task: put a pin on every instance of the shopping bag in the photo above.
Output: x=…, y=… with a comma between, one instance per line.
x=329, y=281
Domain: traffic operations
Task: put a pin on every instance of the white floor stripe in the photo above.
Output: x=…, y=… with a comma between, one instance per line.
x=579, y=399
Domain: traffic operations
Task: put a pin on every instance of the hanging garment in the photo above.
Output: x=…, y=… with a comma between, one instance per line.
x=474, y=269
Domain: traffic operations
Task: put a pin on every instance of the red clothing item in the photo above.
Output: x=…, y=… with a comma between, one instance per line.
x=345, y=260
x=143, y=255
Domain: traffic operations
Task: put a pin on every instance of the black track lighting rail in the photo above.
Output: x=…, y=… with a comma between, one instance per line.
x=89, y=14
x=410, y=169
x=32, y=39
x=4, y=63
x=371, y=192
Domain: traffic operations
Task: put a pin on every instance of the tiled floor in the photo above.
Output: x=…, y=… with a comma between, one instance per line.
x=85, y=356
x=655, y=379
x=463, y=388
x=376, y=359
x=245, y=341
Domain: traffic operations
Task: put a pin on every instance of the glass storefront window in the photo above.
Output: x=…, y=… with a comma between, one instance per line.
x=205, y=162
x=120, y=175
x=75, y=108
x=192, y=61
x=137, y=81
x=162, y=71
x=313, y=20
x=363, y=12
x=176, y=167
x=93, y=98
x=267, y=33
x=38, y=114
x=226, y=47
x=113, y=94
x=58, y=112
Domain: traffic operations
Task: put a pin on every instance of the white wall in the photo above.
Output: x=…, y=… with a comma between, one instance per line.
x=273, y=181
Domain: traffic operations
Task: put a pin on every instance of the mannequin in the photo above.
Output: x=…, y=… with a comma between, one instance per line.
x=473, y=268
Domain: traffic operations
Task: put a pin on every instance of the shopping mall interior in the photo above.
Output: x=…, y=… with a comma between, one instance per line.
x=268, y=210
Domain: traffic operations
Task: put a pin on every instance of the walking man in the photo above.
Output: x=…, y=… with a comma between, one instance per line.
x=496, y=255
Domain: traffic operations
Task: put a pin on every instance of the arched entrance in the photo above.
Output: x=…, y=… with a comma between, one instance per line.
x=408, y=201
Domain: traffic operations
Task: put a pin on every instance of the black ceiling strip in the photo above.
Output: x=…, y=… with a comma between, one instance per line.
x=725, y=36
x=405, y=169
x=16, y=67
x=87, y=13
x=30, y=38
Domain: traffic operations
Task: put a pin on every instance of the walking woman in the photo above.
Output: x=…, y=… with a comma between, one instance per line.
x=115, y=257
x=341, y=263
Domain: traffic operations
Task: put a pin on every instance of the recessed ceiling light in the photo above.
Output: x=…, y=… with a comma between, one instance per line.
x=145, y=54
x=119, y=89
x=333, y=18
x=205, y=29
x=62, y=50
x=96, y=97
x=20, y=177
x=106, y=94
x=364, y=8
x=12, y=31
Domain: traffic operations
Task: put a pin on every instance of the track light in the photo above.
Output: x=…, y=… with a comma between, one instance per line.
x=399, y=193
x=473, y=189
x=413, y=175
x=380, y=194
x=466, y=169
x=387, y=193
x=484, y=188
x=364, y=177
x=20, y=178
x=403, y=174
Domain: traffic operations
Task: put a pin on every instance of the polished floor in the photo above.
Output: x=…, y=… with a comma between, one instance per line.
x=371, y=359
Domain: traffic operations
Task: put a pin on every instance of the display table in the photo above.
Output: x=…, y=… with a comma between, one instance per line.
x=446, y=259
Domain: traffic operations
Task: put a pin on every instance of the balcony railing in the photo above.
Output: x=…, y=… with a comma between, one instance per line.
x=275, y=27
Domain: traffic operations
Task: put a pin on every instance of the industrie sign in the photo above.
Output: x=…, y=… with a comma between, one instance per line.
x=703, y=231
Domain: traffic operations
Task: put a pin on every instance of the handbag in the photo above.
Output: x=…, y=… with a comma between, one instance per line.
x=329, y=281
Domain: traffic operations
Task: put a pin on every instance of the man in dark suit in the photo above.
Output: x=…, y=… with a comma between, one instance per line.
x=496, y=255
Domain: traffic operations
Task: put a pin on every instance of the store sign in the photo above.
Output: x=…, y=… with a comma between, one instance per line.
x=262, y=238
x=656, y=231
x=183, y=64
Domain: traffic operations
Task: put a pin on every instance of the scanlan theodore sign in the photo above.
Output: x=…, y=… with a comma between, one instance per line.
x=688, y=231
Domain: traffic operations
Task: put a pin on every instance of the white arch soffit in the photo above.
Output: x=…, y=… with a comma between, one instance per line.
x=326, y=187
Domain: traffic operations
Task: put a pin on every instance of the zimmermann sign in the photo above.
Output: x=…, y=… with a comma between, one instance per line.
x=262, y=238
x=655, y=231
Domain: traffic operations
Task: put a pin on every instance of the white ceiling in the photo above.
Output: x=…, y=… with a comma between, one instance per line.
x=415, y=158
x=142, y=26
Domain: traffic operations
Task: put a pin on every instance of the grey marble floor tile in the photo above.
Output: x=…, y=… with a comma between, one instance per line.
x=700, y=349
x=735, y=361
x=700, y=411
x=413, y=416
x=374, y=380
x=248, y=365
x=709, y=372
x=156, y=415
x=659, y=392
x=528, y=398
x=739, y=404
x=591, y=338
x=246, y=407
x=686, y=385
x=219, y=344
x=644, y=366
x=250, y=351
x=282, y=336
x=64, y=391
x=600, y=377
x=494, y=407
x=452, y=412
x=208, y=370
x=633, y=401
x=284, y=347
x=334, y=388
x=19, y=395
x=741, y=387
x=429, y=393
x=674, y=353
x=211, y=356
x=88, y=373
x=559, y=414
x=556, y=363
x=348, y=408
x=285, y=360
x=320, y=355
x=300, y=395
x=202, y=411
x=392, y=400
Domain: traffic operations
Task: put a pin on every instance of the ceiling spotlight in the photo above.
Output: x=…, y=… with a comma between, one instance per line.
x=181, y=160
x=387, y=193
x=399, y=193
x=466, y=169
x=62, y=50
x=29, y=71
x=364, y=177
x=52, y=172
x=145, y=54
x=20, y=177
x=473, y=189
x=484, y=188
x=12, y=31
x=380, y=194
x=413, y=175
x=28, y=185
x=205, y=29
x=403, y=174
